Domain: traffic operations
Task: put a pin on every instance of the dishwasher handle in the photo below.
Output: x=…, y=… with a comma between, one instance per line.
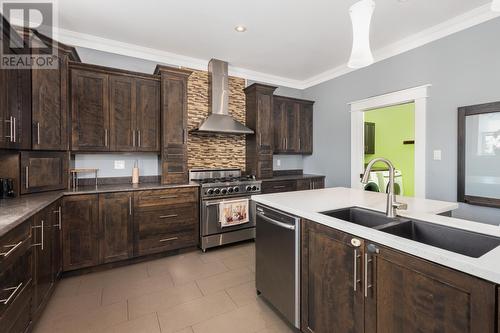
x=276, y=223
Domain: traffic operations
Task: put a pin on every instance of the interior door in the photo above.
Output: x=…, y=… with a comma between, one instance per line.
x=90, y=111
x=408, y=294
x=122, y=113
x=148, y=115
x=332, y=296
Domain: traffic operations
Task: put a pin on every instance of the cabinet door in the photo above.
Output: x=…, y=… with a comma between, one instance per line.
x=148, y=115
x=56, y=211
x=305, y=144
x=279, y=122
x=122, y=113
x=408, y=294
x=90, y=111
x=265, y=122
x=317, y=183
x=43, y=171
x=278, y=186
x=42, y=244
x=304, y=184
x=291, y=119
x=115, y=215
x=49, y=114
x=332, y=296
x=174, y=128
x=80, y=231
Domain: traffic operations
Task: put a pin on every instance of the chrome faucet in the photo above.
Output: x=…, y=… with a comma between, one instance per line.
x=392, y=204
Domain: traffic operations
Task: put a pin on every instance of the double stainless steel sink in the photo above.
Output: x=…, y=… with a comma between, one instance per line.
x=464, y=242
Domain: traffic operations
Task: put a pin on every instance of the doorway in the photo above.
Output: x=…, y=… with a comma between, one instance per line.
x=390, y=132
x=418, y=97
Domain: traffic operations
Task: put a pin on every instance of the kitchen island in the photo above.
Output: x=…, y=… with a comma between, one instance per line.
x=356, y=278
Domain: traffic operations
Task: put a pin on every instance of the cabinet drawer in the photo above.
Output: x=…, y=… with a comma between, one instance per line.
x=162, y=229
x=14, y=244
x=279, y=186
x=15, y=292
x=155, y=198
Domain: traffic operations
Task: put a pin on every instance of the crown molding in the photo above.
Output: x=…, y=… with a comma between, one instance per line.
x=464, y=21
x=469, y=19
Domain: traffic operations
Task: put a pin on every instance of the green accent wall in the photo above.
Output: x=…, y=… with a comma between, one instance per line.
x=393, y=125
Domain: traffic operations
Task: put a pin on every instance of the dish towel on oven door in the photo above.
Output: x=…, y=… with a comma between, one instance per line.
x=233, y=212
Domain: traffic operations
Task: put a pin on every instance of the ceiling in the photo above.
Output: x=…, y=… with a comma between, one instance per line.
x=295, y=40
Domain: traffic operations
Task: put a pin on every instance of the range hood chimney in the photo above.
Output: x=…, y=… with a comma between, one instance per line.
x=219, y=121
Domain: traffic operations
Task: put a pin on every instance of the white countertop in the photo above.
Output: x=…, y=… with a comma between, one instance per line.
x=308, y=204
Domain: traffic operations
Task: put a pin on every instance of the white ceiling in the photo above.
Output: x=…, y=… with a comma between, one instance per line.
x=295, y=40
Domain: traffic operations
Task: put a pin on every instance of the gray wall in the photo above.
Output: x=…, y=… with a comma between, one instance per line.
x=286, y=162
x=463, y=68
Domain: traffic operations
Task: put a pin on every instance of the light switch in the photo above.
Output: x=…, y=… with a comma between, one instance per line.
x=437, y=155
x=119, y=165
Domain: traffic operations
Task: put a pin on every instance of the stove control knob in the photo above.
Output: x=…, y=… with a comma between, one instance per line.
x=230, y=190
x=217, y=191
x=224, y=191
x=236, y=189
x=210, y=191
x=254, y=188
x=249, y=188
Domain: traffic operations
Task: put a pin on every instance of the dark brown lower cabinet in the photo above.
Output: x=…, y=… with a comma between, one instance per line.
x=408, y=294
x=42, y=257
x=332, y=296
x=288, y=185
x=115, y=216
x=56, y=210
x=310, y=184
x=80, y=231
x=43, y=171
x=348, y=282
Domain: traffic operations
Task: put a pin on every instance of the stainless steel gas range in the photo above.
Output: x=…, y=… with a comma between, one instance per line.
x=226, y=213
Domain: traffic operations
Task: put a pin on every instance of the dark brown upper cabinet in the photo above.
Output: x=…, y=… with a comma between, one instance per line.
x=89, y=111
x=293, y=125
x=114, y=110
x=259, y=117
x=116, y=224
x=174, y=124
x=43, y=171
x=479, y=154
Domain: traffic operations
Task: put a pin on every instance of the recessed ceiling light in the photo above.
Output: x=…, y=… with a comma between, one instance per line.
x=240, y=28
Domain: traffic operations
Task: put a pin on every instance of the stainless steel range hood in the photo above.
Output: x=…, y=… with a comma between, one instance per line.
x=219, y=121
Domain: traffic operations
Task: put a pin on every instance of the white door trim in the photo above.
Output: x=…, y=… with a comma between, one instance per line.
x=417, y=95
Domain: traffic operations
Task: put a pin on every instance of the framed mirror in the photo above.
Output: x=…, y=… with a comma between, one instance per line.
x=479, y=154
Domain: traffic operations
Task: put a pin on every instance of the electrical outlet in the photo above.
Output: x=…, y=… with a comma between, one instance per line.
x=278, y=162
x=437, y=155
x=119, y=165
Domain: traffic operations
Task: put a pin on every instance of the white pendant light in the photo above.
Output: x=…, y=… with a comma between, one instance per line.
x=495, y=6
x=361, y=16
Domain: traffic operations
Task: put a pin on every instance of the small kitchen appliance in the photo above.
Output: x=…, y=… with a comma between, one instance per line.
x=7, y=188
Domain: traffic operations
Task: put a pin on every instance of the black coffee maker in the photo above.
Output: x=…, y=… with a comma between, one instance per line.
x=7, y=188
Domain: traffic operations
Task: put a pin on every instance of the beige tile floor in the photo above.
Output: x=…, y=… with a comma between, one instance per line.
x=188, y=293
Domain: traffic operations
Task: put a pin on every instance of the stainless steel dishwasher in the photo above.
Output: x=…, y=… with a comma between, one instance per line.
x=277, y=261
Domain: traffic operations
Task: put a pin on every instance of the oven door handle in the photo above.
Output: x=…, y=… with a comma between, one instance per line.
x=276, y=223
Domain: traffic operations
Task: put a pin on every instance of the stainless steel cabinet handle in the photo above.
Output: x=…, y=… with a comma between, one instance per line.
x=13, y=247
x=58, y=212
x=130, y=205
x=168, y=239
x=27, y=183
x=168, y=216
x=367, y=284
x=260, y=139
x=105, y=137
x=279, y=186
x=7, y=300
x=300, y=144
x=10, y=129
x=133, y=138
x=38, y=132
x=355, y=275
x=42, y=227
x=15, y=130
x=169, y=196
x=276, y=223
x=184, y=136
x=138, y=138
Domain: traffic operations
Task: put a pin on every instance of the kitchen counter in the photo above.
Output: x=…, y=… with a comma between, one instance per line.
x=292, y=177
x=16, y=210
x=309, y=204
